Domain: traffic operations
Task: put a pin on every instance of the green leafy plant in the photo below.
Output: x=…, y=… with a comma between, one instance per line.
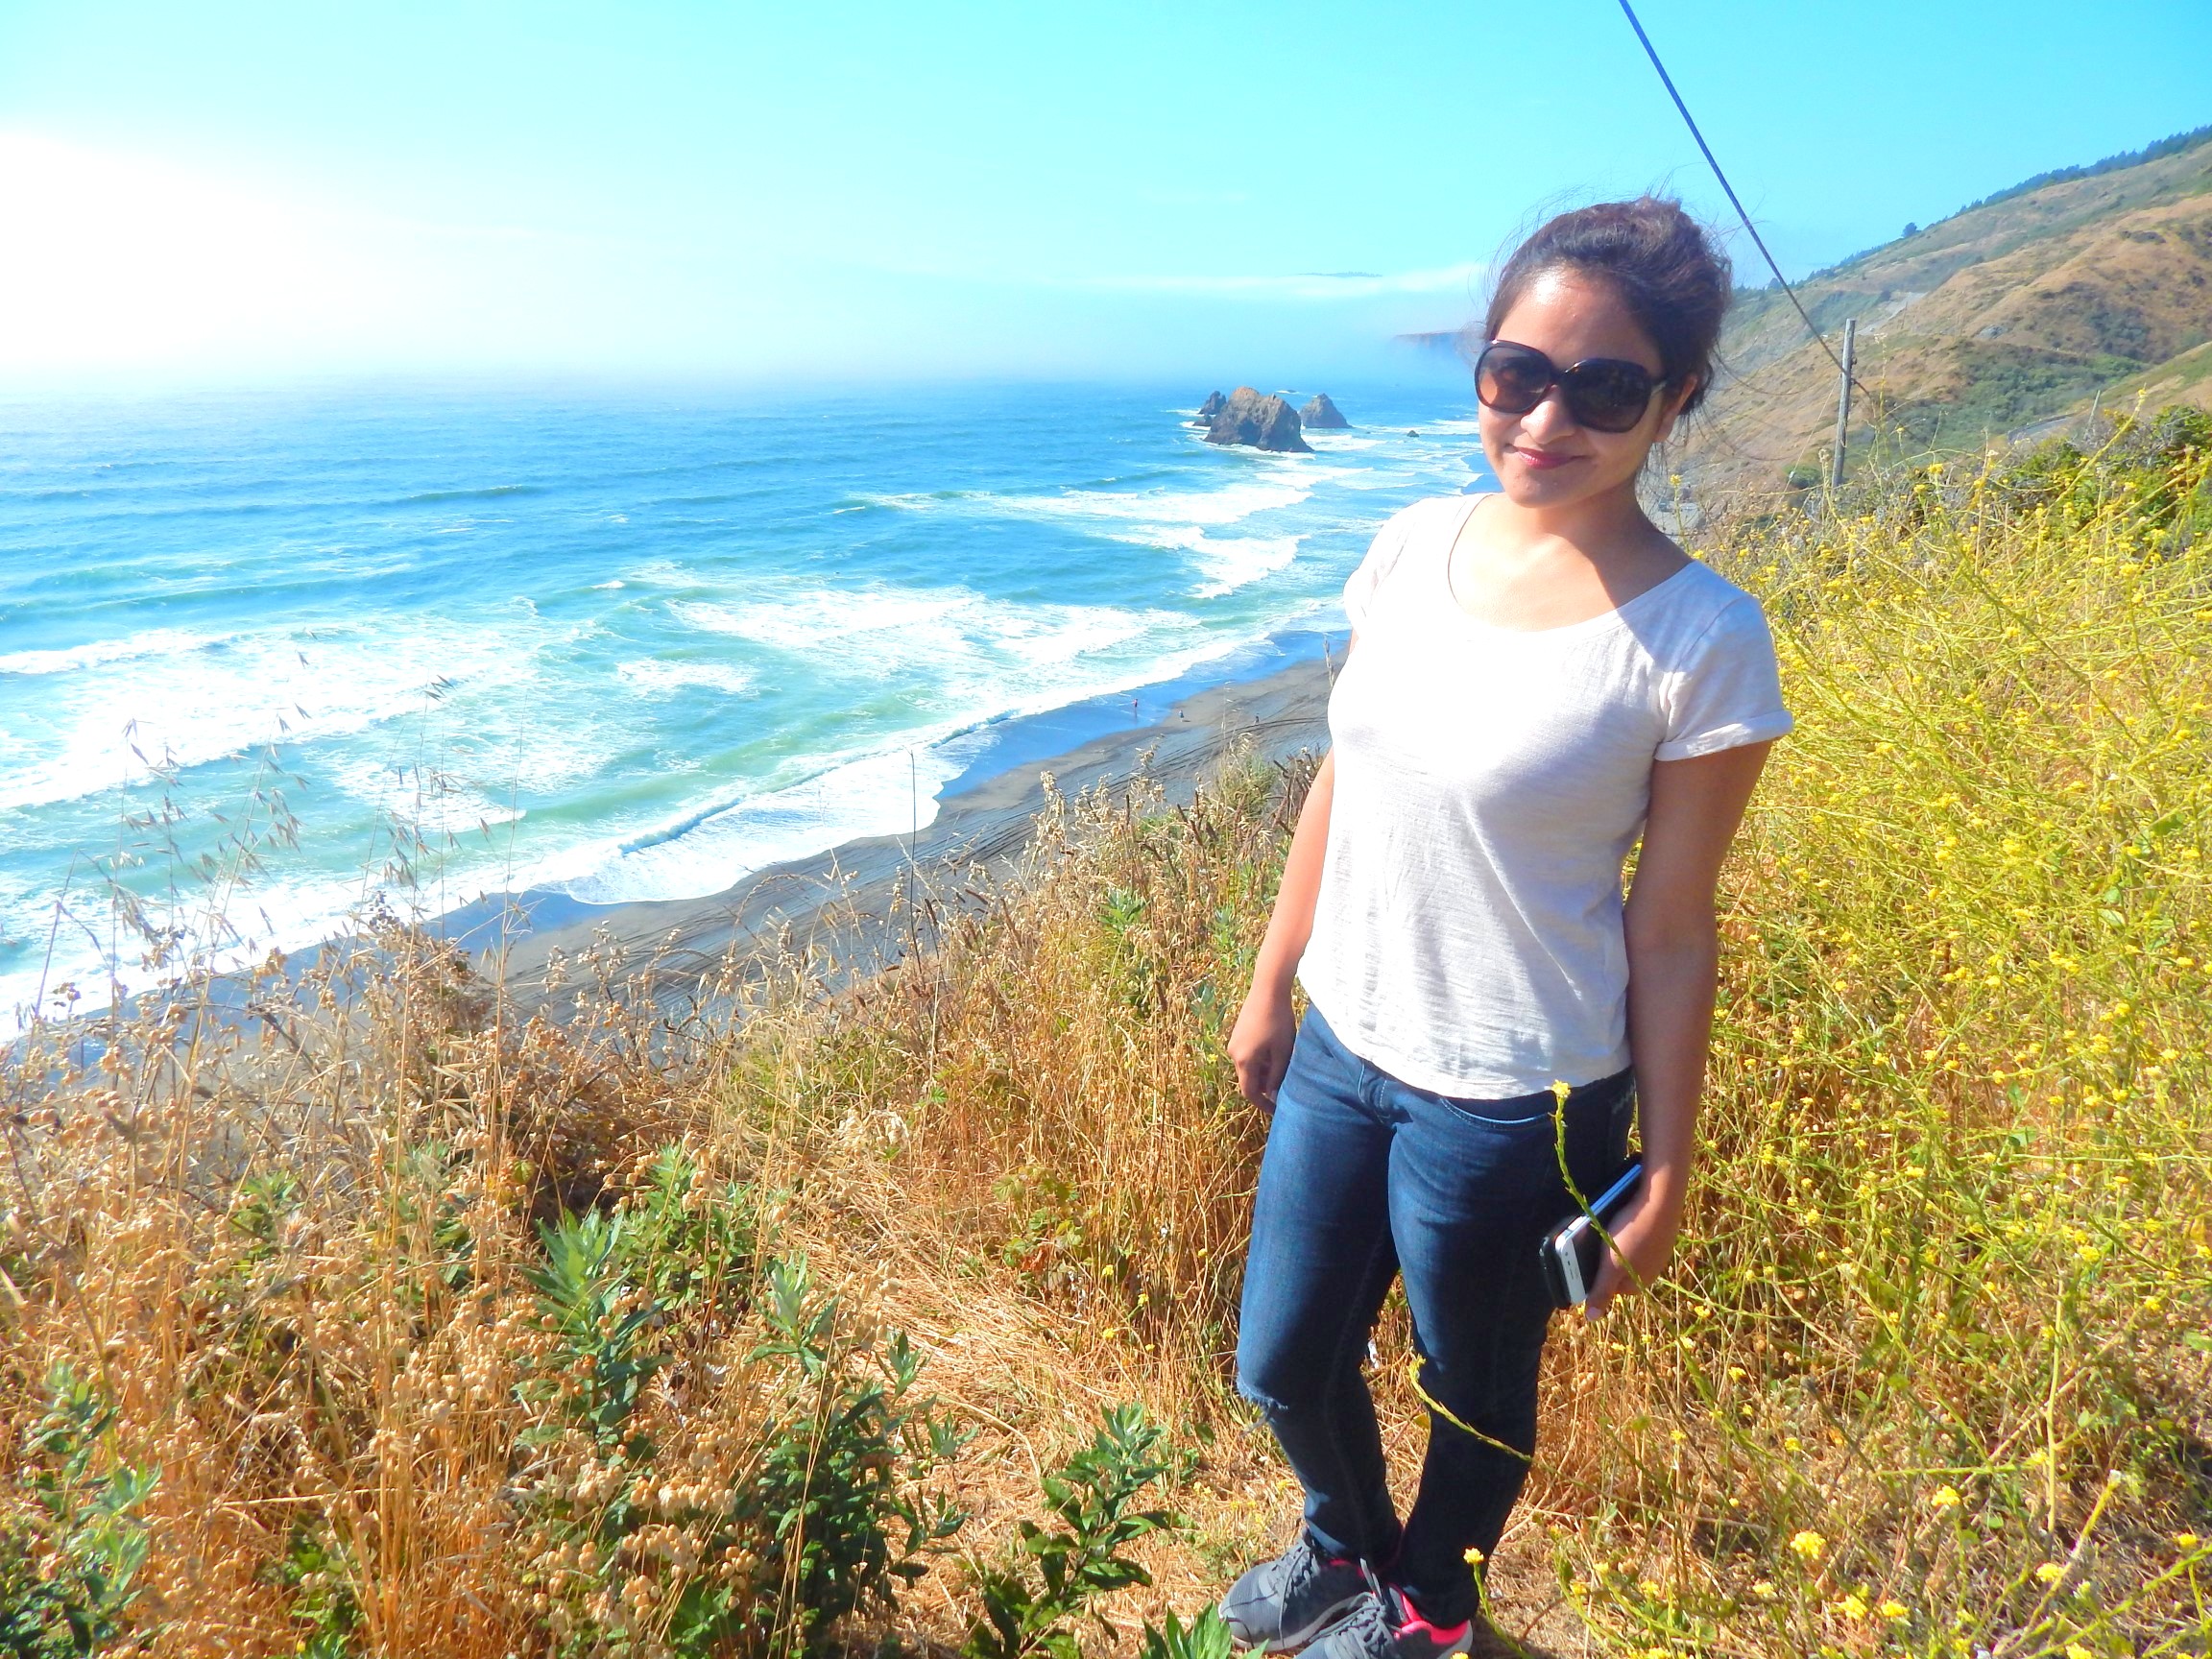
x=264, y=1200
x=323, y=1600
x=69, y=1561
x=431, y=1209
x=826, y=1515
x=598, y=1318
x=693, y=1244
x=1204, y=1637
x=837, y=1490
x=1032, y=1605
x=1048, y=1248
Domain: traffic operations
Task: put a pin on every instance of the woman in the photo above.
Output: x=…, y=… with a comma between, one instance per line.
x=1538, y=677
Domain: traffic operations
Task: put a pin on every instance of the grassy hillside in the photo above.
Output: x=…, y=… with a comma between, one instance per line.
x=389, y=1324
x=2007, y=314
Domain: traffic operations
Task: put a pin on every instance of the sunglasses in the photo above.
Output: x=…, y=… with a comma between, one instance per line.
x=1604, y=394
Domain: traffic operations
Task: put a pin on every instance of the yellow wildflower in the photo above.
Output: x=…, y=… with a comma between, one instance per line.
x=1894, y=1610
x=1852, y=1605
x=2050, y=1572
x=1473, y=1555
x=1945, y=1497
x=1810, y=1545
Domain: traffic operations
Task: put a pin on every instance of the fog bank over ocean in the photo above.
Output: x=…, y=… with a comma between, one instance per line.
x=620, y=647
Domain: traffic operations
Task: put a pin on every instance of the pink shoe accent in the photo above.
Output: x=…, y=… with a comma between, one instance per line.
x=1443, y=1635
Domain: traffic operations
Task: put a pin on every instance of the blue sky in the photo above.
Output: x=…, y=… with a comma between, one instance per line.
x=858, y=190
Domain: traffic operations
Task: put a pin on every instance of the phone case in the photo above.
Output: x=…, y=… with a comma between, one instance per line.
x=1572, y=1251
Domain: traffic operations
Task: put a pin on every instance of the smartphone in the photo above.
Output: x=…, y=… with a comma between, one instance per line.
x=1573, y=1250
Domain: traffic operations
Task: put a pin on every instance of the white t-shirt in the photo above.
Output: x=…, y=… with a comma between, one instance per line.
x=1490, y=783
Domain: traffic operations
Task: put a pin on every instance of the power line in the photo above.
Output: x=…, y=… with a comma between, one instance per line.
x=1668, y=81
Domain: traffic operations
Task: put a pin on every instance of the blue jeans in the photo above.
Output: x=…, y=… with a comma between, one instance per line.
x=1367, y=1179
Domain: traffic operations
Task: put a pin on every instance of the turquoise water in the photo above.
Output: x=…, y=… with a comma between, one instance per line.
x=619, y=646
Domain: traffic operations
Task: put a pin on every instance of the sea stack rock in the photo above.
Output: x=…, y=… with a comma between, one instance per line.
x=1264, y=422
x=1207, y=410
x=1322, y=414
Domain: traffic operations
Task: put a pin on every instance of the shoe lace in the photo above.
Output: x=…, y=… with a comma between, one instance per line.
x=1301, y=1566
x=1367, y=1627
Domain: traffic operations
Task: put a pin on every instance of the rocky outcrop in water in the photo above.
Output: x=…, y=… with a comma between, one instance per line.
x=1263, y=422
x=1321, y=415
x=1207, y=410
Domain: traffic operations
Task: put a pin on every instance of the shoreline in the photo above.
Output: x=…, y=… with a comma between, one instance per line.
x=846, y=904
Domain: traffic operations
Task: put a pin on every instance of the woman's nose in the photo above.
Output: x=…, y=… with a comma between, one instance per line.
x=1551, y=417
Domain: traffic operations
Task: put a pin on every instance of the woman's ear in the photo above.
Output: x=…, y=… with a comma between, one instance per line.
x=1671, y=411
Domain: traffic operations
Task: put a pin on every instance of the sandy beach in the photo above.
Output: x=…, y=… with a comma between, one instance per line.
x=848, y=904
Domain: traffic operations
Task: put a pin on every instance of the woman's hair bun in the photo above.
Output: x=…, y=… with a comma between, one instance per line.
x=1665, y=267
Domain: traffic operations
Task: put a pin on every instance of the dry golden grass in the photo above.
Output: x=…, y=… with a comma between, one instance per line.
x=1932, y=1377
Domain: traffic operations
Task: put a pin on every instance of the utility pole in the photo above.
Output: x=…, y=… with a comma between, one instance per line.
x=1843, y=403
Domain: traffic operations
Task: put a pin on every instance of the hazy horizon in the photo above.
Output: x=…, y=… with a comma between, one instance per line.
x=692, y=193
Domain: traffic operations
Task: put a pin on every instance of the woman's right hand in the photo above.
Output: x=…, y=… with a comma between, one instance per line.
x=1260, y=1045
x=1260, y=1042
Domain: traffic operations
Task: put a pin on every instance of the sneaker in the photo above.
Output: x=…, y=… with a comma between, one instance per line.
x=1282, y=1604
x=1387, y=1626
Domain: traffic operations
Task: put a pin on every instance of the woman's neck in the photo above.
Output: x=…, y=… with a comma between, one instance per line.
x=1598, y=527
x=1522, y=568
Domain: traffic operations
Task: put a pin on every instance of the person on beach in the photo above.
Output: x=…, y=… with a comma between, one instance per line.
x=1538, y=677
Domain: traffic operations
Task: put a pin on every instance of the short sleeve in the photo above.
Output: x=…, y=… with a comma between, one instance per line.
x=1729, y=693
x=1382, y=555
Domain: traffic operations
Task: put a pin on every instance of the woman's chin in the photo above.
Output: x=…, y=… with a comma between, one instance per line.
x=1527, y=487
x=1554, y=487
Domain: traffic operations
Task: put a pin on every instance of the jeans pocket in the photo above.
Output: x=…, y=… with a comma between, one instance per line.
x=1520, y=1111
x=1517, y=1112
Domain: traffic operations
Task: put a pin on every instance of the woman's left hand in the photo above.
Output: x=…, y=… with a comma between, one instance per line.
x=1646, y=1237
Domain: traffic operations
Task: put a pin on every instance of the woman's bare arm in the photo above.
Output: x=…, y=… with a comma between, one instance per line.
x=1674, y=970
x=1260, y=1042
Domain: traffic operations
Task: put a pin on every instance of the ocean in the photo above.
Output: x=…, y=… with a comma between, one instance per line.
x=266, y=656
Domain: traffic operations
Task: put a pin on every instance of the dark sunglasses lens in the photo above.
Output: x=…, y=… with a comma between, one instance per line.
x=1512, y=379
x=1610, y=396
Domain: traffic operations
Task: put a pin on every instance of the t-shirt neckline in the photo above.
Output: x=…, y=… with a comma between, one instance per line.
x=1602, y=620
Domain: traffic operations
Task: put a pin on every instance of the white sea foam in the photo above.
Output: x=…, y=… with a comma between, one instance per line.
x=806, y=620
x=889, y=792
x=153, y=642
x=961, y=639
x=1266, y=483
x=285, y=915
x=430, y=800
x=199, y=701
x=1235, y=562
x=1225, y=563
x=658, y=676
x=1230, y=504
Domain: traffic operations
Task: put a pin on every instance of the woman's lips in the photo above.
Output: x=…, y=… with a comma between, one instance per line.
x=1543, y=460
